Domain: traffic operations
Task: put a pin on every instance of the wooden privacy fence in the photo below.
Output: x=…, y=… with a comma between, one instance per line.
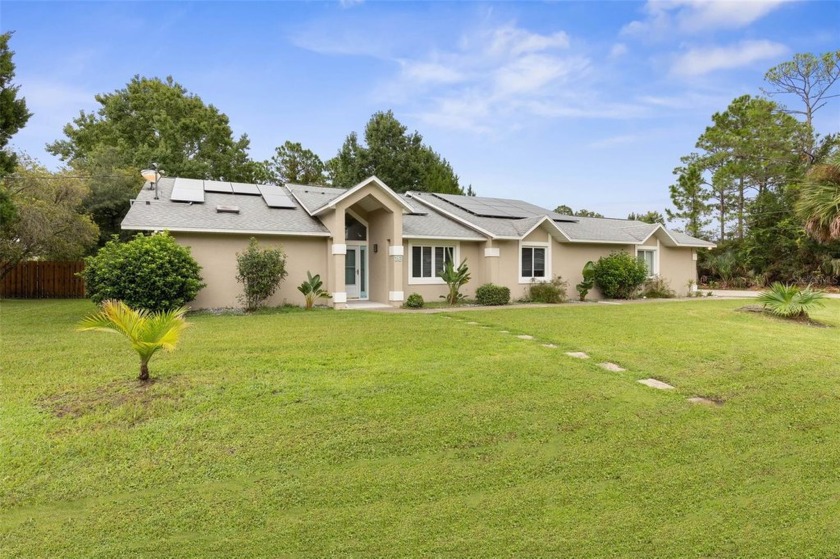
x=44, y=280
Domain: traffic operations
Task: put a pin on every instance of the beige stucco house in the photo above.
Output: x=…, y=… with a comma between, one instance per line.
x=370, y=243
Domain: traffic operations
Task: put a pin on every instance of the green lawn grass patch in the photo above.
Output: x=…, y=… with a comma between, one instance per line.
x=401, y=434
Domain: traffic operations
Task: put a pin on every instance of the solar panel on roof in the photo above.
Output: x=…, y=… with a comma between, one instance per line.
x=275, y=197
x=187, y=190
x=243, y=188
x=486, y=208
x=217, y=186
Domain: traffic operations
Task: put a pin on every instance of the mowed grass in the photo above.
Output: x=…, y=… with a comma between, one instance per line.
x=368, y=434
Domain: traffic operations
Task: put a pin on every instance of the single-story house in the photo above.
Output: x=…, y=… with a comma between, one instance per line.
x=371, y=243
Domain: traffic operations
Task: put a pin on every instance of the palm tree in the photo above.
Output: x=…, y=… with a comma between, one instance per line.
x=819, y=201
x=148, y=332
x=789, y=301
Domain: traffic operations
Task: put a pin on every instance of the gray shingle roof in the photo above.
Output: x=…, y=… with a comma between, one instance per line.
x=254, y=215
x=313, y=198
x=427, y=223
x=433, y=215
x=576, y=229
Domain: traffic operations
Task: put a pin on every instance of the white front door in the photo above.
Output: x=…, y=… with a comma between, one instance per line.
x=355, y=272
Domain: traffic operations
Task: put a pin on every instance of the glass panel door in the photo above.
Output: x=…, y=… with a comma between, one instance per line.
x=363, y=289
x=350, y=269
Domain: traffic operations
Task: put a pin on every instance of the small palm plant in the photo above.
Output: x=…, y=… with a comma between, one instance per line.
x=313, y=288
x=789, y=301
x=455, y=278
x=588, y=282
x=148, y=332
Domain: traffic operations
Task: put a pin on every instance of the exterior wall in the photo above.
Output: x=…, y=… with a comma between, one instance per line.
x=677, y=265
x=216, y=254
x=652, y=241
x=509, y=268
x=378, y=234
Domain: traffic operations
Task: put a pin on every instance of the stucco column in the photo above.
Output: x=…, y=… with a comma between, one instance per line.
x=336, y=258
x=491, y=263
x=396, y=253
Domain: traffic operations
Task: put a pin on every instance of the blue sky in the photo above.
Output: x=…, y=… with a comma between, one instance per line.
x=589, y=104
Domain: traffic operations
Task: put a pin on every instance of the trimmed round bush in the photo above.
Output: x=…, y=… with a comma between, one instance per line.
x=619, y=275
x=149, y=272
x=415, y=301
x=489, y=294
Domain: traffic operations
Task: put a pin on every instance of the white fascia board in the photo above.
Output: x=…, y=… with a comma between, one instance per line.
x=373, y=179
x=540, y=222
x=454, y=217
x=231, y=231
x=444, y=238
x=660, y=227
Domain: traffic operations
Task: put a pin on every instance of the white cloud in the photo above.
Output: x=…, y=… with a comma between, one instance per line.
x=618, y=50
x=496, y=77
x=515, y=41
x=700, y=61
x=533, y=73
x=431, y=72
x=667, y=17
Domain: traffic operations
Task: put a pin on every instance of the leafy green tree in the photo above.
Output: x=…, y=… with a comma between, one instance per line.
x=149, y=272
x=652, y=216
x=111, y=189
x=397, y=157
x=564, y=210
x=153, y=120
x=808, y=77
x=587, y=213
x=691, y=200
x=751, y=147
x=292, y=163
x=46, y=218
x=13, y=112
x=147, y=332
x=260, y=271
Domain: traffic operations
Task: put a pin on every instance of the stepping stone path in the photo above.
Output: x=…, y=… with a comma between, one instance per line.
x=704, y=401
x=653, y=383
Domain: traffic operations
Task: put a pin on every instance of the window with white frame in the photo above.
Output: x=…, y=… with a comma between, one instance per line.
x=648, y=258
x=428, y=261
x=533, y=262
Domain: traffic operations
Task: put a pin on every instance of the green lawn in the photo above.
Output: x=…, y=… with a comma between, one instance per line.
x=368, y=434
